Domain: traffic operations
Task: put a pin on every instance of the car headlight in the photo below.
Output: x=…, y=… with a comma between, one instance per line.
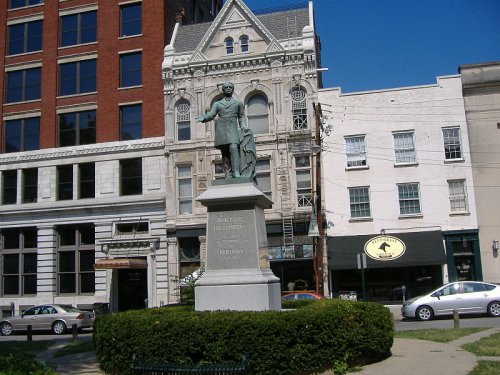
x=409, y=301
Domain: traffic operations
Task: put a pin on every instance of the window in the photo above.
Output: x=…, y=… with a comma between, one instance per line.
x=257, y=113
x=130, y=19
x=229, y=46
x=409, y=199
x=184, y=190
x=131, y=176
x=303, y=179
x=25, y=37
x=86, y=181
x=130, y=69
x=130, y=122
x=78, y=28
x=404, y=148
x=75, y=259
x=263, y=176
x=77, y=128
x=359, y=198
x=30, y=185
x=23, y=85
x=299, y=108
x=77, y=77
x=141, y=227
x=19, y=261
x=9, y=187
x=452, y=144
x=355, y=151
x=22, y=134
x=458, y=196
x=244, y=43
x=23, y=3
x=64, y=182
x=183, y=120
x=189, y=255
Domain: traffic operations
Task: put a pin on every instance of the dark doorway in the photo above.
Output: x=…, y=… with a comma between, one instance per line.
x=132, y=288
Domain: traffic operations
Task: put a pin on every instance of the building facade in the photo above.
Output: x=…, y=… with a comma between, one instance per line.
x=399, y=191
x=481, y=91
x=271, y=57
x=82, y=151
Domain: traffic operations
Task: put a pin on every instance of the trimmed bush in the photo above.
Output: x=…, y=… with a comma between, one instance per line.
x=310, y=339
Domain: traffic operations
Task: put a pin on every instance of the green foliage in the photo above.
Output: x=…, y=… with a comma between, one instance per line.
x=75, y=348
x=325, y=334
x=487, y=346
x=437, y=335
x=23, y=365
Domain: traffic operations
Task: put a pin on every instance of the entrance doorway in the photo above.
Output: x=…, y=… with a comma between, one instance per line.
x=132, y=288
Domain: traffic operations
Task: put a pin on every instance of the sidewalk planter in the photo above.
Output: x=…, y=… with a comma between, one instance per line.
x=307, y=340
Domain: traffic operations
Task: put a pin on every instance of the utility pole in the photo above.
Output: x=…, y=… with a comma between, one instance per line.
x=319, y=255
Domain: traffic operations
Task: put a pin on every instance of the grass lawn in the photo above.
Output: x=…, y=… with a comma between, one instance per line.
x=29, y=349
x=437, y=335
x=18, y=358
x=488, y=346
x=486, y=368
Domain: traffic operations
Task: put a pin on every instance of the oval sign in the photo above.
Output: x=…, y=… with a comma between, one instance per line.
x=385, y=248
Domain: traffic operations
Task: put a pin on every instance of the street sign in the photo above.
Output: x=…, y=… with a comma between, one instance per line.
x=361, y=260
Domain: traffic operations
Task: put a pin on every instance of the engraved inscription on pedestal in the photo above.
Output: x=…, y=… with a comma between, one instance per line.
x=232, y=236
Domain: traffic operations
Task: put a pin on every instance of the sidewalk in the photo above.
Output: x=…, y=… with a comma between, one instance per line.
x=409, y=357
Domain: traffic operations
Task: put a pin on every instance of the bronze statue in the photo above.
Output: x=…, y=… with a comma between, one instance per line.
x=232, y=136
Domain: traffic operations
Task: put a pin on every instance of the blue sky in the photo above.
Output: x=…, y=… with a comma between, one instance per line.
x=378, y=44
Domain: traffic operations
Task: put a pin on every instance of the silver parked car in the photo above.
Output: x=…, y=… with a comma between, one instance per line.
x=467, y=297
x=55, y=318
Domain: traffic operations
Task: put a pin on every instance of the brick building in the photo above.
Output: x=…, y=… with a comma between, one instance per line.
x=82, y=150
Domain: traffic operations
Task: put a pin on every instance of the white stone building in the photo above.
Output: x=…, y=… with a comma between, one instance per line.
x=397, y=164
x=272, y=60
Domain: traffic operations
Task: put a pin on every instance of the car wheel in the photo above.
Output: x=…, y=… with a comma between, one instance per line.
x=58, y=328
x=6, y=329
x=424, y=313
x=494, y=308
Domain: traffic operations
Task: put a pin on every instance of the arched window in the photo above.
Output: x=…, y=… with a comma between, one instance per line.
x=229, y=46
x=299, y=108
x=258, y=114
x=183, y=120
x=244, y=43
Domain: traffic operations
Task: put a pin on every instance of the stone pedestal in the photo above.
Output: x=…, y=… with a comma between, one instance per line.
x=237, y=273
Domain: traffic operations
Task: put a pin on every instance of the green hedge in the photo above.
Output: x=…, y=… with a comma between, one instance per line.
x=310, y=339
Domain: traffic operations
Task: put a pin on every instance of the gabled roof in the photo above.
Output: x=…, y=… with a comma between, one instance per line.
x=189, y=36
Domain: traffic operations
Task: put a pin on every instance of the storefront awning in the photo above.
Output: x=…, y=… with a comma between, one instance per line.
x=119, y=263
x=415, y=249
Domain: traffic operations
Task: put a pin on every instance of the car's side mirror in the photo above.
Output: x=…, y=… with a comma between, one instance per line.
x=437, y=295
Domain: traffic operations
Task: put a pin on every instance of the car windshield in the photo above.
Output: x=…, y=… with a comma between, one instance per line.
x=69, y=308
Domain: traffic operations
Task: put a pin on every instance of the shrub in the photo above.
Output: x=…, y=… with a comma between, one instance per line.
x=22, y=365
x=310, y=339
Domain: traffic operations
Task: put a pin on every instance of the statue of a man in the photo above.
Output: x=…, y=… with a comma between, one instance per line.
x=232, y=136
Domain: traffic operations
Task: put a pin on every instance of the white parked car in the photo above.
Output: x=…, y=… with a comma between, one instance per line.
x=467, y=297
x=55, y=318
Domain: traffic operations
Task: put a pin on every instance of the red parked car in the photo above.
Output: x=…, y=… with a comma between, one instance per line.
x=301, y=295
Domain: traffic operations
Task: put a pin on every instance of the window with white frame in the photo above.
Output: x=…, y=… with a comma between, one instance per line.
x=244, y=43
x=183, y=120
x=458, y=196
x=355, y=149
x=303, y=180
x=229, y=42
x=257, y=113
x=185, y=189
x=299, y=108
x=263, y=176
x=9, y=186
x=452, y=143
x=404, y=147
x=359, y=200
x=409, y=199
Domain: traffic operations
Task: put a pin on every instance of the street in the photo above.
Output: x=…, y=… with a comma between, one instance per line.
x=86, y=334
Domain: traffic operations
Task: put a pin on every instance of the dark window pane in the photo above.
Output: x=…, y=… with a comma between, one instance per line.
x=65, y=182
x=130, y=19
x=34, y=42
x=87, y=125
x=69, y=30
x=67, y=235
x=11, y=284
x=9, y=187
x=88, y=76
x=87, y=235
x=11, y=264
x=30, y=185
x=131, y=176
x=31, y=139
x=32, y=84
x=67, y=129
x=16, y=39
x=87, y=282
x=23, y=3
x=30, y=238
x=29, y=264
x=29, y=284
x=67, y=283
x=13, y=135
x=131, y=122
x=87, y=259
x=130, y=69
x=11, y=238
x=88, y=30
x=87, y=180
x=67, y=261
x=15, y=86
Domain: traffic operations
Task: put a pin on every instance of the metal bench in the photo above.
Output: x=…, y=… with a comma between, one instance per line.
x=155, y=368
